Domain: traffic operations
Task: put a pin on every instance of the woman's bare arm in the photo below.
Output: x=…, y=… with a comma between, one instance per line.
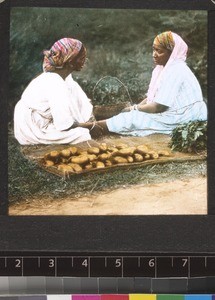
x=144, y=101
x=151, y=108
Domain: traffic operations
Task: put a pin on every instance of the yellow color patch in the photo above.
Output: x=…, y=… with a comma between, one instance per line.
x=142, y=297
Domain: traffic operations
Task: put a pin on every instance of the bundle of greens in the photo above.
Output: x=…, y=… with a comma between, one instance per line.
x=190, y=137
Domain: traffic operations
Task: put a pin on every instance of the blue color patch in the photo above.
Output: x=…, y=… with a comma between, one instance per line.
x=198, y=297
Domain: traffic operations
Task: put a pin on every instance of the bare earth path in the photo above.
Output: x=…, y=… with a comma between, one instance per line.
x=186, y=196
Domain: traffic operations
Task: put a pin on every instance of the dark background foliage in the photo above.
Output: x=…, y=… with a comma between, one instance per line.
x=119, y=44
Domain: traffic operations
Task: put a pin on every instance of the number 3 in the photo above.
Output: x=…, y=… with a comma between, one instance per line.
x=51, y=263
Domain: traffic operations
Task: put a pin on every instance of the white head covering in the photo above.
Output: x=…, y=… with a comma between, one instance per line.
x=179, y=53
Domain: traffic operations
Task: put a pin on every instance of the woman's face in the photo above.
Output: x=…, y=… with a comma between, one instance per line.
x=79, y=61
x=160, y=54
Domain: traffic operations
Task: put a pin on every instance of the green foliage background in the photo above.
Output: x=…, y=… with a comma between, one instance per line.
x=119, y=44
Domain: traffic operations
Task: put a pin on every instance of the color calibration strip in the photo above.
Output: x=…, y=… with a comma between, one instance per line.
x=112, y=297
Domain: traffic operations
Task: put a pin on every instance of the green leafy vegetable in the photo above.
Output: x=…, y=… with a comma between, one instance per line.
x=190, y=137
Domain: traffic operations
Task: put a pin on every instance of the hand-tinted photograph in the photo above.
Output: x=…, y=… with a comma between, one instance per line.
x=107, y=112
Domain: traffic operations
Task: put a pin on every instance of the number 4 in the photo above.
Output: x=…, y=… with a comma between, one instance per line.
x=85, y=263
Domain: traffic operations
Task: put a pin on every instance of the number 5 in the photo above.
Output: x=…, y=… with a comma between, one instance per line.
x=118, y=263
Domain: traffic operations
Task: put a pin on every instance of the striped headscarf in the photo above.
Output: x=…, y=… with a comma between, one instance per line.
x=165, y=39
x=62, y=51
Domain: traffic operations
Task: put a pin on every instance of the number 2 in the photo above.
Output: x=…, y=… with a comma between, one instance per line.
x=18, y=263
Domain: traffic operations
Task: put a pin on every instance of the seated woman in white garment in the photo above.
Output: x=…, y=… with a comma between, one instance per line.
x=53, y=101
x=174, y=95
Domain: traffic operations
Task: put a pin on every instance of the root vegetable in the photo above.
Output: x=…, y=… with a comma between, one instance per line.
x=163, y=153
x=93, y=150
x=130, y=159
x=108, y=163
x=53, y=155
x=142, y=149
x=153, y=154
x=88, y=167
x=104, y=156
x=112, y=149
x=73, y=150
x=80, y=160
x=75, y=167
x=124, y=152
x=103, y=147
x=48, y=163
x=65, y=168
x=100, y=165
x=92, y=157
x=120, y=160
x=138, y=157
x=121, y=146
x=65, y=153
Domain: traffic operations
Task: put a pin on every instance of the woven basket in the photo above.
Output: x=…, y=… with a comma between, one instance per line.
x=103, y=112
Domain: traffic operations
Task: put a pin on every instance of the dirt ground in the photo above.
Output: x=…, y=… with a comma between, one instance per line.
x=186, y=196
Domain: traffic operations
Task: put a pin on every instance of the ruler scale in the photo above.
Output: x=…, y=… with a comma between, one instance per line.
x=120, y=266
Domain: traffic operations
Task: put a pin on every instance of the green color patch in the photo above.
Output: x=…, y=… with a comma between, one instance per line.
x=170, y=297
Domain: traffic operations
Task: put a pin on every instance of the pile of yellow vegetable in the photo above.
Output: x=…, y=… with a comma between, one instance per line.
x=75, y=160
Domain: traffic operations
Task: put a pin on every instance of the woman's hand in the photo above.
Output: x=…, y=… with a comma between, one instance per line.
x=135, y=106
x=127, y=109
x=74, y=125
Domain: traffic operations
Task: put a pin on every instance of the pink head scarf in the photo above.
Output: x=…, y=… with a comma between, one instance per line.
x=62, y=51
x=179, y=52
